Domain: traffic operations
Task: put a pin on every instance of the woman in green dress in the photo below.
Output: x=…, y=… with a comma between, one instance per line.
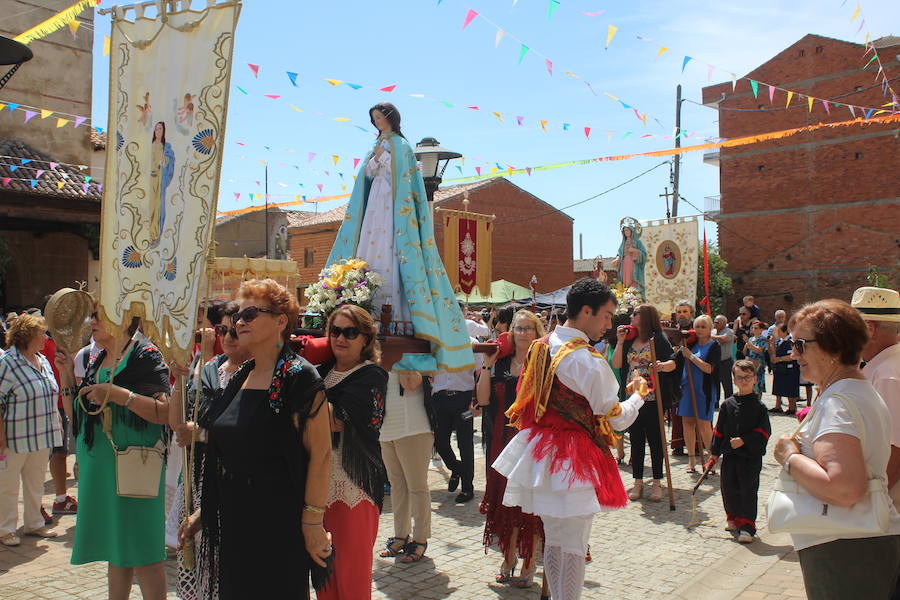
x=126, y=532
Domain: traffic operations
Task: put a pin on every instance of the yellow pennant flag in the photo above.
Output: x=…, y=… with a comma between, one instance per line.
x=510, y=171
x=499, y=118
x=662, y=50
x=2, y=106
x=61, y=122
x=343, y=188
x=493, y=170
x=335, y=158
x=334, y=82
x=295, y=108
x=60, y=184
x=610, y=33
x=106, y=43
x=544, y=125
x=855, y=13
x=341, y=119
x=73, y=26
x=45, y=113
x=572, y=75
x=790, y=95
x=809, y=103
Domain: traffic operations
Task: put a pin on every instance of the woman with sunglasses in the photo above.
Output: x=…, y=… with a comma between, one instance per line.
x=212, y=376
x=268, y=448
x=839, y=455
x=519, y=535
x=128, y=533
x=355, y=387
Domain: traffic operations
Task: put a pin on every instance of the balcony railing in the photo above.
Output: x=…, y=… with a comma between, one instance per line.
x=711, y=205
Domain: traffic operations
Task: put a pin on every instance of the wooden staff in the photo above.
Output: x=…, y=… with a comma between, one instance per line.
x=662, y=428
x=187, y=474
x=699, y=437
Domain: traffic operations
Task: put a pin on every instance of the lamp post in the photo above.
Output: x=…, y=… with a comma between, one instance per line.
x=12, y=53
x=434, y=160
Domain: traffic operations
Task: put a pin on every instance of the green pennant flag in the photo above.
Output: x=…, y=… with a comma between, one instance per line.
x=554, y=4
x=522, y=52
x=755, y=86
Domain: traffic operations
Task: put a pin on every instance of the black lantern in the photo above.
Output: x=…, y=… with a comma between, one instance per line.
x=434, y=160
x=12, y=53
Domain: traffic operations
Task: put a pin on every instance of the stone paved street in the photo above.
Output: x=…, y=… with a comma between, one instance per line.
x=643, y=551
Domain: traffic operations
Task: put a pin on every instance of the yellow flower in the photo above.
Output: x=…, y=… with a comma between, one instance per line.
x=356, y=263
x=333, y=282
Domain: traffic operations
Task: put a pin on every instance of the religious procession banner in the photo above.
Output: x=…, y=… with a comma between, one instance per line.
x=227, y=274
x=168, y=98
x=467, y=250
x=670, y=272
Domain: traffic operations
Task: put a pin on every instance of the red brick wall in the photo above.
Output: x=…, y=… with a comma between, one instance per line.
x=523, y=244
x=803, y=217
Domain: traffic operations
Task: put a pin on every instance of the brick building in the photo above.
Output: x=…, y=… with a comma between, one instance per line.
x=803, y=217
x=530, y=236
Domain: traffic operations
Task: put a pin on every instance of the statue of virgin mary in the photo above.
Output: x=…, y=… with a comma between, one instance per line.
x=632, y=256
x=388, y=224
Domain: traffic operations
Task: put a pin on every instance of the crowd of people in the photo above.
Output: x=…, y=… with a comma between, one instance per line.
x=325, y=443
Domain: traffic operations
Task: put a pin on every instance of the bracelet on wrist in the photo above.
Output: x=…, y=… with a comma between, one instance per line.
x=787, y=461
x=313, y=509
x=311, y=524
x=128, y=400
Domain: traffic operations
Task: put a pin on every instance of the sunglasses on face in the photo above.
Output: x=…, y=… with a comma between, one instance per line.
x=800, y=345
x=349, y=333
x=249, y=314
x=223, y=330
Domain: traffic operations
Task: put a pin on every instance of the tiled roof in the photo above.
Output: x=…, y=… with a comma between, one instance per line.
x=886, y=41
x=98, y=140
x=13, y=151
x=335, y=215
x=298, y=218
x=586, y=265
x=452, y=191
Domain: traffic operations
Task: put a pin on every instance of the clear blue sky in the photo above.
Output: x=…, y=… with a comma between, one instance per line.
x=419, y=46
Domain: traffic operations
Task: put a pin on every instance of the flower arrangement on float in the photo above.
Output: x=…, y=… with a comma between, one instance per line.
x=346, y=282
x=629, y=299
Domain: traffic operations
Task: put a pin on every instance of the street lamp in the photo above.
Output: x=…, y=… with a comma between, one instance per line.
x=12, y=53
x=434, y=160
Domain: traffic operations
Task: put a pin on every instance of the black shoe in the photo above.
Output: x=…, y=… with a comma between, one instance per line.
x=464, y=497
x=776, y=411
x=678, y=452
x=453, y=483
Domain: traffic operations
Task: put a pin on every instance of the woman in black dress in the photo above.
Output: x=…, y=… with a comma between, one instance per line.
x=269, y=448
x=786, y=377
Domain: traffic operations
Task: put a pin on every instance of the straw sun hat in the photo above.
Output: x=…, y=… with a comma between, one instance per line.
x=877, y=304
x=66, y=314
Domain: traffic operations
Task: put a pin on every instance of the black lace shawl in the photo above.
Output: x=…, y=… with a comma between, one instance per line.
x=358, y=401
x=295, y=384
x=145, y=373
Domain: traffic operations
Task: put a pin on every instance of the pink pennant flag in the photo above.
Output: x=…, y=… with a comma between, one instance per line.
x=473, y=107
x=255, y=69
x=477, y=170
x=771, y=94
x=528, y=170
x=272, y=96
x=519, y=120
x=310, y=157
x=84, y=187
x=593, y=14
x=6, y=181
x=355, y=162
x=237, y=196
x=39, y=173
x=827, y=107
x=388, y=88
x=240, y=143
x=79, y=121
x=469, y=17
x=53, y=165
x=549, y=64
x=29, y=114
x=320, y=186
x=587, y=132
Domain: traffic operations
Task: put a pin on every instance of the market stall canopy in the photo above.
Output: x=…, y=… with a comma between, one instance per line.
x=554, y=298
x=502, y=291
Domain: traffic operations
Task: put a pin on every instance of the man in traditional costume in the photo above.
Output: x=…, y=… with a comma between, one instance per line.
x=559, y=466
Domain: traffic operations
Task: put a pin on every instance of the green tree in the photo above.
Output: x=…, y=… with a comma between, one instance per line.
x=719, y=282
x=876, y=279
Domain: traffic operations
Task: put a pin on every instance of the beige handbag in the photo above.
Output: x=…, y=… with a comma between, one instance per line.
x=138, y=469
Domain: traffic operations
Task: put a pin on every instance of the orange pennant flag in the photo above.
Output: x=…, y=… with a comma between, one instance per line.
x=544, y=125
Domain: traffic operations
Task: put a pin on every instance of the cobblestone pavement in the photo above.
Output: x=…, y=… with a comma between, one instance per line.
x=643, y=551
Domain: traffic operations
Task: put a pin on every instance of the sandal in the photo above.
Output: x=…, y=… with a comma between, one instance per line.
x=525, y=578
x=410, y=555
x=505, y=575
x=636, y=491
x=10, y=539
x=691, y=464
x=656, y=492
x=390, y=550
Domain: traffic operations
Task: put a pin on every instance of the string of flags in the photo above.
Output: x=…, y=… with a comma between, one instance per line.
x=870, y=47
x=30, y=112
x=64, y=18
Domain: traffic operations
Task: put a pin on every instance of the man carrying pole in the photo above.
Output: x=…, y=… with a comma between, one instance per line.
x=559, y=466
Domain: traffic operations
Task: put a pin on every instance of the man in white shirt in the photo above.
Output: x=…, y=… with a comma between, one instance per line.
x=451, y=400
x=559, y=466
x=880, y=308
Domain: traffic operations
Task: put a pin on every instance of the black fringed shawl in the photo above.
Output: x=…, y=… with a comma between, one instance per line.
x=295, y=384
x=358, y=401
x=145, y=373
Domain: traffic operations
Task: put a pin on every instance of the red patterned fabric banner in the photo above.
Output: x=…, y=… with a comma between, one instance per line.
x=468, y=253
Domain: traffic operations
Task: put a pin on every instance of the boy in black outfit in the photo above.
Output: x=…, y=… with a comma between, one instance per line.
x=741, y=434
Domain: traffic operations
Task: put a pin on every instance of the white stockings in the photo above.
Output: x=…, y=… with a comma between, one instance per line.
x=565, y=545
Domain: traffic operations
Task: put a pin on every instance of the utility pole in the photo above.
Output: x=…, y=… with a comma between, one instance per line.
x=266, y=165
x=677, y=145
x=667, y=195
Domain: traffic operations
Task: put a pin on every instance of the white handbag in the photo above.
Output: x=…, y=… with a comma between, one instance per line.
x=791, y=509
x=138, y=469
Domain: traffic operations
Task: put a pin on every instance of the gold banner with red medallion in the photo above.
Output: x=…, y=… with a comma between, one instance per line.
x=467, y=250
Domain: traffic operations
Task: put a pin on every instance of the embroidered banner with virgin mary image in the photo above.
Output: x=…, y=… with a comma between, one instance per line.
x=168, y=98
x=671, y=265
